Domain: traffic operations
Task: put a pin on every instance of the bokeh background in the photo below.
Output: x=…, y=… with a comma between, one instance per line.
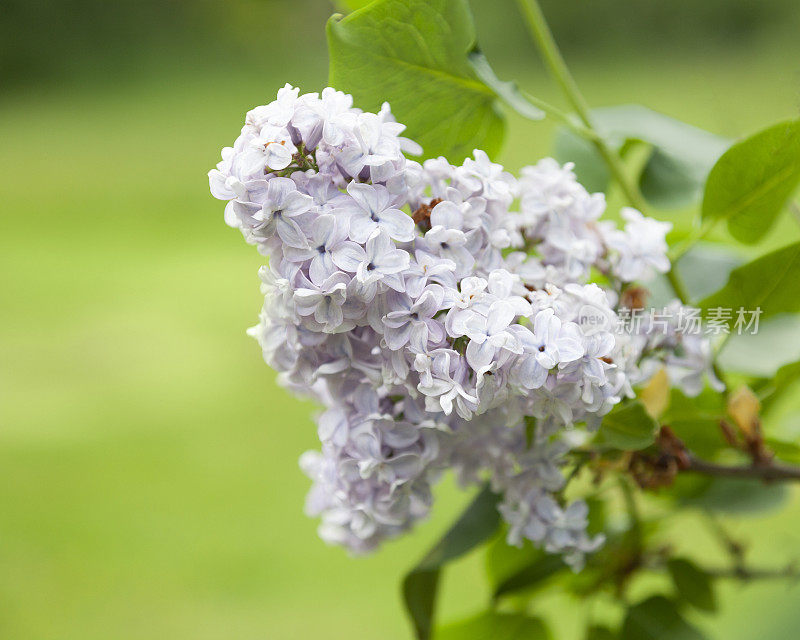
x=148, y=462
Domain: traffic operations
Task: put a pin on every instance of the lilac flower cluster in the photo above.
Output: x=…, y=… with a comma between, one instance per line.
x=432, y=317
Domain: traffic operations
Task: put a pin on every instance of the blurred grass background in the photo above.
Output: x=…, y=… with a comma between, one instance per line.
x=148, y=478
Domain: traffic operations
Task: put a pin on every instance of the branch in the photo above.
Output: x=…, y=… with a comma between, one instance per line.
x=746, y=574
x=772, y=472
x=542, y=36
x=743, y=573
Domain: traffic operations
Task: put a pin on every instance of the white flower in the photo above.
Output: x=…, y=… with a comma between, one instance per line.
x=329, y=119
x=382, y=262
x=489, y=334
x=324, y=304
x=551, y=343
x=642, y=247
x=442, y=383
x=371, y=208
x=281, y=204
x=426, y=267
x=415, y=321
x=328, y=249
x=376, y=147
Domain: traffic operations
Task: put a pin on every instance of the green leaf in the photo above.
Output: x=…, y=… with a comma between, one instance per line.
x=762, y=354
x=733, y=496
x=495, y=626
x=590, y=168
x=478, y=523
x=504, y=560
x=677, y=168
x=693, y=584
x=600, y=633
x=784, y=450
x=512, y=570
x=413, y=54
x=351, y=5
x=768, y=283
x=628, y=427
x=508, y=91
x=705, y=268
x=753, y=179
x=657, y=619
x=696, y=420
x=780, y=382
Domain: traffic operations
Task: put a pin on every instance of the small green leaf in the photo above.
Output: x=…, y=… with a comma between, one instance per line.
x=768, y=283
x=413, y=54
x=693, y=584
x=628, y=427
x=657, y=619
x=495, y=626
x=753, y=179
x=677, y=168
x=478, y=523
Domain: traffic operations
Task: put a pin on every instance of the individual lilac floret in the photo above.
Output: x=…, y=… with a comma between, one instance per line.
x=372, y=208
x=275, y=209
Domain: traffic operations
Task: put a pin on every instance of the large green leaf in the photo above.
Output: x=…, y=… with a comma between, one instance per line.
x=693, y=584
x=413, y=54
x=627, y=426
x=674, y=174
x=657, y=619
x=768, y=283
x=478, y=523
x=495, y=626
x=752, y=181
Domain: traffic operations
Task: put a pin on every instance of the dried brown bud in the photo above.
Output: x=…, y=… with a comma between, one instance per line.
x=422, y=216
x=634, y=298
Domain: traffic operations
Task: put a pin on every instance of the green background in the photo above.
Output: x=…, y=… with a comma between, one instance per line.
x=149, y=485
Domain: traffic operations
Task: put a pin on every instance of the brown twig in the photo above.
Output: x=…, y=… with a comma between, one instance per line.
x=770, y=472
x=655, y=470
x=748, y=574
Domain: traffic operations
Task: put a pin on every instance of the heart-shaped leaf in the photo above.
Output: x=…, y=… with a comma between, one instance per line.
x=413, y=55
